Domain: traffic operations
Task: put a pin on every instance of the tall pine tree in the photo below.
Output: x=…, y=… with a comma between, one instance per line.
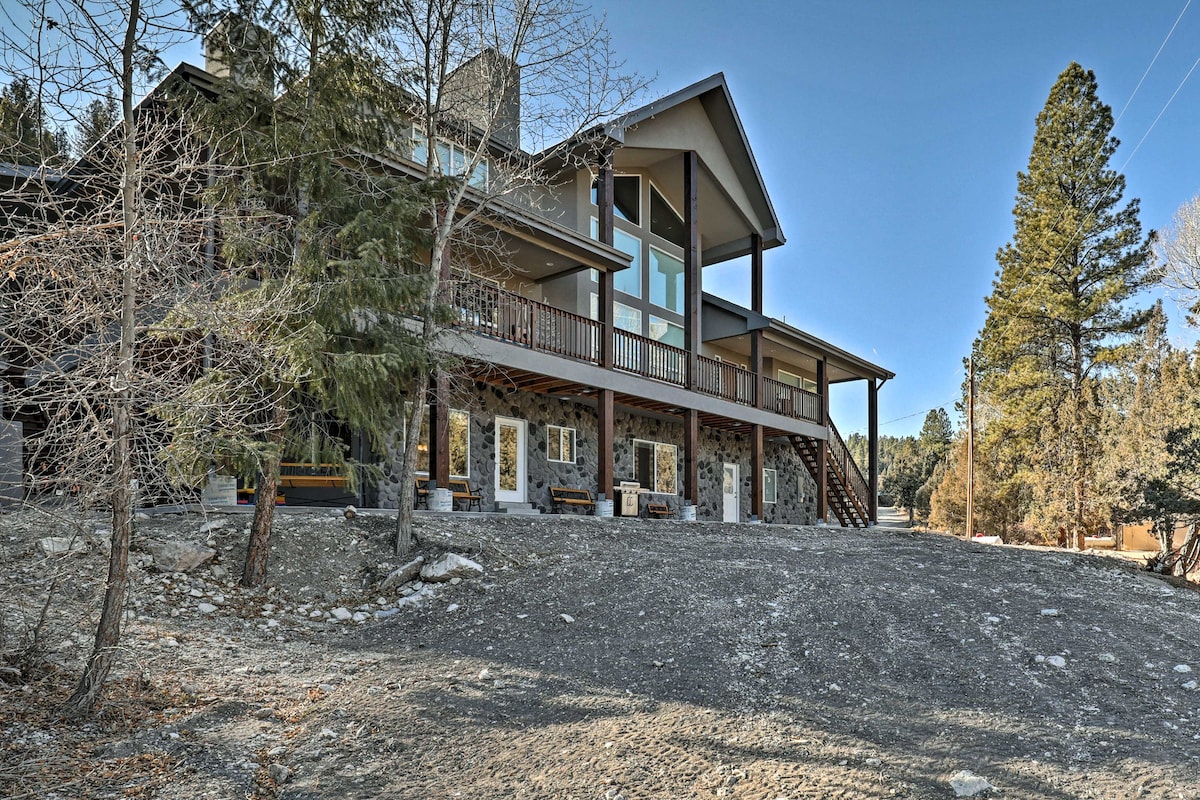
x=1058, y=313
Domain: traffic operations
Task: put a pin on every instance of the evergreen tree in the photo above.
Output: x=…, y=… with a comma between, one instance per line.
x=99, y=117
x=1057, y=315
x=24, y=136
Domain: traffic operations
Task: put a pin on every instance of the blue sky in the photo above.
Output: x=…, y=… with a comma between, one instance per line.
x=889, y=135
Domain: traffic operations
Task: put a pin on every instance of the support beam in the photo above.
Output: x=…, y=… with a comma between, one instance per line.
x=605, y=296
x=873, y=449
x=604, y=443
x=692, y=285
x=756, y=471
x=439, y=430
x=756, y=302
x=691, y=457
x=823, y=447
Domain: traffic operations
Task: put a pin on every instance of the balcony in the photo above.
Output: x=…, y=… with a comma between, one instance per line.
x=488, y=310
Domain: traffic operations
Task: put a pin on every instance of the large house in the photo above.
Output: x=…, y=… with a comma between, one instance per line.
x=593, y=357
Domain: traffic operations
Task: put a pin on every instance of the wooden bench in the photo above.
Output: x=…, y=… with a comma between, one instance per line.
x=464, y=494
x=461, y=489
x=325, y=475
x=561, y=497
x=659, y=511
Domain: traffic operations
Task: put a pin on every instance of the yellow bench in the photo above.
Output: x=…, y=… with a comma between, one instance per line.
x=561, y=497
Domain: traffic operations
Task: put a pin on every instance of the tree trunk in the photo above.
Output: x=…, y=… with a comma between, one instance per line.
x=408, y=465
x=259, y=545
x=108, y=630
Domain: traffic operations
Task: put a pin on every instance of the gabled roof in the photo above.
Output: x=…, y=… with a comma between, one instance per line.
x=714, y=97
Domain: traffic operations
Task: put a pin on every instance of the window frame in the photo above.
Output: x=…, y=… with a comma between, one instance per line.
x=654, y=463
x=562, y=429
x=774, y=484
x=425, y=440
x=651, y=272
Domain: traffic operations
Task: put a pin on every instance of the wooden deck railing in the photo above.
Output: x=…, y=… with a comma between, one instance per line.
x=492, y=311
x=648, y=358
x=725, y=380
x=849, y=468
x=791, y=401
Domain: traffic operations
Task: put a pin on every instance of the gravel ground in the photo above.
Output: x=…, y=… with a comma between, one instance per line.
x=610, y=659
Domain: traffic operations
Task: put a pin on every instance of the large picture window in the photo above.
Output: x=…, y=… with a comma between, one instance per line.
x=560, y=444
x=628, y=280
x=666, y=280
x=451, y=159
x=655, y=466
x=664, y=221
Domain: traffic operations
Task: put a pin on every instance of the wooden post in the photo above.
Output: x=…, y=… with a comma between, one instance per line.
x=439, y=430
x=605, y=295
x=691, y=457
x=604, y=442
x=756, y=305
x=873, y=450
x=971, y=447
x=604, y=397
x=756, y=471
x=823, y=446
x=692, y=285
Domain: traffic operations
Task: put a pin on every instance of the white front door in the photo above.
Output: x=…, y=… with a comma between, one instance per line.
x=729, y=493
x=510, y=460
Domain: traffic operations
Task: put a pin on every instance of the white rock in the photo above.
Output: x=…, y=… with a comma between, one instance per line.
x=1191, y=686
x=387, y=612
x=1049, y=612
x=402, y=575
x=967, y=784
x=1182, y=668
x=1056, y=661
x=206, y=608
x=60, y=545
x=452, y=607
x=219, y=573
x=279, y=773
x=360, y=616
x=212, y=525
x=342, y=614
x=567, y=618
x=451, y=565
x=1107, y=658
x=179, y=556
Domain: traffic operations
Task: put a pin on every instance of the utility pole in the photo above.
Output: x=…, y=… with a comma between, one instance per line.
x=971, y=447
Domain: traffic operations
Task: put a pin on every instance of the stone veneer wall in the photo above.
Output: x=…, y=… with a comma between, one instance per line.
x=796, y=496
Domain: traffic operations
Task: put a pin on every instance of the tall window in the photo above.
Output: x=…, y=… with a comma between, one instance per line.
x=666, y=280
x=770, y=485
x=460, y=444
x=627, y=280
x=655, y=466
x=560, y=444
x=664, y=221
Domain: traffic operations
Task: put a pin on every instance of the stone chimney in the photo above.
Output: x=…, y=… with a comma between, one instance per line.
x=242, y=52
x=486, y=92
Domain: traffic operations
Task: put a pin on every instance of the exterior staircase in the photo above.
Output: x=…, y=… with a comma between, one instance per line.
x=846, y=488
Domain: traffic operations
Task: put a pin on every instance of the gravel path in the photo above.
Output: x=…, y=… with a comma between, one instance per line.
x=632, y=659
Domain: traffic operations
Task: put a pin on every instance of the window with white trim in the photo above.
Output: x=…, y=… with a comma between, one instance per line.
x=560, y=444
x=656, y=466
x=770, y=485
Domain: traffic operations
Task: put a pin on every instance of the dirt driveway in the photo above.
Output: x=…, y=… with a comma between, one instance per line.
x=605, y=659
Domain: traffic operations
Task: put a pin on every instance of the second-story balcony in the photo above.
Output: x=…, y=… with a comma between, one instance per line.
x=489, y=310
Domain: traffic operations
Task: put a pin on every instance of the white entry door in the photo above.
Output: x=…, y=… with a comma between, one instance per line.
x=510, y=460
x=729, y=494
